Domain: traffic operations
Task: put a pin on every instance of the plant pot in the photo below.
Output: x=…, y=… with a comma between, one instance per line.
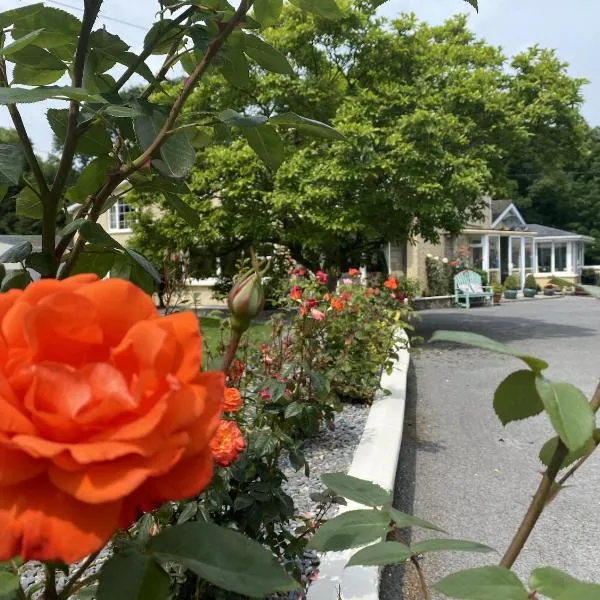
x=529, y=293
x=548, y=292
x=497, y=297
x=510, y=294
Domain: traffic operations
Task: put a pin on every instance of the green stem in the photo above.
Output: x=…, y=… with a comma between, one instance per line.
x=74, y=579
x=230, y=352
x=50, y=587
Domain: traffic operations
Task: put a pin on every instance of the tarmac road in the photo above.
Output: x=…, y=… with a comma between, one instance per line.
x=465, y=472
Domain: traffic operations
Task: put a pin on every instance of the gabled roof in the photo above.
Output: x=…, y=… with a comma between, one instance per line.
x=545, y=231
x=498, y=207
x=508, y=208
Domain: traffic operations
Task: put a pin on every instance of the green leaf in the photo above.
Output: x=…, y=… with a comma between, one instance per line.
x=10, y=17
x=185, y=211
x=223, y=557
x=17, y=253
x=559, y=585
x=9, y=582
x=177, y=153
x=350, y=529
x=267, y=145
x=404, y=520
x=483, y=583
x=359, y=490
x=15, y=95
x=310, y=126
x=235, y=67
x=91, y=179
x=549, y=448
x=144, y=264
x=11, y=163
x=517, y=398
x=94, y=141
x=3, y=190
x=17, y=280
x=32, y=56
x=324, y=8
x=162, y=35
x=267, y=12
x=72, y=227
x=235, y=119
x=60, y=27
x=266, y=56
x=474, y=4
x=94, y=259
x=133, y=576
x=380, y=554
x=480, y=341
x=29, y=204
x=446, y=545
x=20, y=43
x=293, y=410
x=94, y=234
x=40, y=262
x=32, y=76
x=569, y=412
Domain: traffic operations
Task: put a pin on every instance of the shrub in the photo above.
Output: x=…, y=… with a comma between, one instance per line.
x=511, y=283
x=439, y=277
x=530, y=282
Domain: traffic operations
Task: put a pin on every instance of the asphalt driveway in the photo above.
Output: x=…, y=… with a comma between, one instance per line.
x=462, y=470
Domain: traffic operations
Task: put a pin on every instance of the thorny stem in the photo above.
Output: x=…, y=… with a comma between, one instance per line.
x=74, y=579
x=50, y=586
x=545, y=492
x=232, y=346
x=415, y=561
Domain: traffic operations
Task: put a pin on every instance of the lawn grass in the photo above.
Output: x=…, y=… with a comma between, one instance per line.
x=212, y=333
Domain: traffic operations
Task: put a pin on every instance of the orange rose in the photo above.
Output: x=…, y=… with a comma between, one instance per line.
x=352, y=272
x=104, y=414
x=233, y=400
x=391, y=283
x=227, y=443
x=337, y=305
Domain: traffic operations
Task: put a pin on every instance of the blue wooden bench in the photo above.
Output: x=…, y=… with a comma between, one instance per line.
x=467, y=286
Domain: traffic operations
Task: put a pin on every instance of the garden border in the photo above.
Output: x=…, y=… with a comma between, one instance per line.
x=375, y=459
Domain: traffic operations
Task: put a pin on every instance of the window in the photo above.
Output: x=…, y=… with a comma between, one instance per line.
x=528, y=252
x=544, y=257
x=121, y=216
x=515, y=253
x=560, y=256
x=494, y=252
x=477, y=256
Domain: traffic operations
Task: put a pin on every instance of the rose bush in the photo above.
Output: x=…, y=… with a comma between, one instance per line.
x=105, y=414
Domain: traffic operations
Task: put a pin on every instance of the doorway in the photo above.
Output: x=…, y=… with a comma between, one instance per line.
x=504, y=266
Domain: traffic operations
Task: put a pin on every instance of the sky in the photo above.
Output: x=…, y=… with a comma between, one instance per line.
x=569, y=27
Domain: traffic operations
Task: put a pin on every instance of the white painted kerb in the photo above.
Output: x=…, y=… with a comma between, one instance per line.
x=375, y=459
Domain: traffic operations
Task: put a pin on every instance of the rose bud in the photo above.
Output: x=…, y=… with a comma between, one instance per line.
x=246, y=301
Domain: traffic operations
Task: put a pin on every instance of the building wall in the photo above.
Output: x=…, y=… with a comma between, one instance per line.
x=415, y=258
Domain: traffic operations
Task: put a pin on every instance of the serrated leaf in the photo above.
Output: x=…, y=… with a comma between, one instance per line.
x=293, y=409
x=9, y=583
x=94, y=141
x=17, y=253
x=223, y=557
x=28, y=204
x=380, y=554
x=517, y=398
x=267, y=12
x=267, y=145
x=349, y=530
x=483, y=583
x=323, y=8
x=485, y=343
x=10, y=17
x=266, y=56
x=404, y=520
x=11, y=164
x=558, y=585
x=131, y=575
x=291, y=119
x=32, y=76
x=235, y=119
x=569, y=412
x=60, y=27
x=550, y=447
x=15, y=95
x=33, y=56
x=17, y=280
x=91, y=179
x=358, y=490
x=162, y=35
x=20, y=43
x=447, y=545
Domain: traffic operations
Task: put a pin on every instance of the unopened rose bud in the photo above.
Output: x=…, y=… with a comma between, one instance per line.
x=246, y=301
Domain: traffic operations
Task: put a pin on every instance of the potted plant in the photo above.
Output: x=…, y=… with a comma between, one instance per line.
x=530, y=289
x=549, y=290
x=511, y=286
x=497, y=288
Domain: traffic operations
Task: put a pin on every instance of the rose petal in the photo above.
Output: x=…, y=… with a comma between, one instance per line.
x=184, y=328
x=119, y=306
x=16, y=466
x=39, y=522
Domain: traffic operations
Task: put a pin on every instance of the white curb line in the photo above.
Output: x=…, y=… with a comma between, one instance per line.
x=375, y=459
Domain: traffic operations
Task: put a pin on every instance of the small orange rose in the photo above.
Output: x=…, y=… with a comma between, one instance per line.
x=233, y=400
x=337, y=304
x=391, y=283
x=352, y=272
x=227, y=443
x=104, y=414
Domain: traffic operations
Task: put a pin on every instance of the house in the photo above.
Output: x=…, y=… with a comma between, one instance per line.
x=502, y=243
